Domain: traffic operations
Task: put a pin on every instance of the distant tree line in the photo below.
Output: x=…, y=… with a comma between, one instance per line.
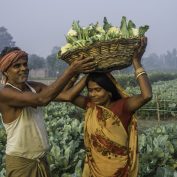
x=153, y=62
x=5, y=39
x=51, y=63
x=164, y=62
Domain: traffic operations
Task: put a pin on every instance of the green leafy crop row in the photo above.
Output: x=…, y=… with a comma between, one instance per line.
x=64, y=122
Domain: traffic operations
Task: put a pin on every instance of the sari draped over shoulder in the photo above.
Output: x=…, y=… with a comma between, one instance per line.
x=111, y=150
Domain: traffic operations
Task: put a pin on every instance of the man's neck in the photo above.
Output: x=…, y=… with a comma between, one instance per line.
x=20, y=86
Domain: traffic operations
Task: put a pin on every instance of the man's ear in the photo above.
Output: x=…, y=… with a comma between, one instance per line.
x=5, y=74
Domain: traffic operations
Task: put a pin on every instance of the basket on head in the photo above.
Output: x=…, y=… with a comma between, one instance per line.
x=109, y=55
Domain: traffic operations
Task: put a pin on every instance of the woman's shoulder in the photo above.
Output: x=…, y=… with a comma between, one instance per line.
x=119, y=102
x=119, y=106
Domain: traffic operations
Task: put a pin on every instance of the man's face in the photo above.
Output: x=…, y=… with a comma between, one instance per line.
x=18, y=72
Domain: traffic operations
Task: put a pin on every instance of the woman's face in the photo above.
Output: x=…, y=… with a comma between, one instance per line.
x=98, y=95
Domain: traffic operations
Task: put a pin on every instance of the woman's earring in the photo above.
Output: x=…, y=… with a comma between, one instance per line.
x=110, y=95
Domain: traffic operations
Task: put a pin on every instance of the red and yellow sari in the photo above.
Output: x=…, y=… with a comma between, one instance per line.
x=111, y=149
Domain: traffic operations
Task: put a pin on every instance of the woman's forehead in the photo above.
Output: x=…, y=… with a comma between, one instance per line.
x=92, y=84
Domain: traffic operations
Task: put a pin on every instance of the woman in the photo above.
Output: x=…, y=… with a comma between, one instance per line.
x=110, y=127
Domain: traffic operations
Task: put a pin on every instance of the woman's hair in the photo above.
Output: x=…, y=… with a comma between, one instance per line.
x=104, y=81
x=7, y=50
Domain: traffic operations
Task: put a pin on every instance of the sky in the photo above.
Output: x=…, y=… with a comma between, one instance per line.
x=39, y=25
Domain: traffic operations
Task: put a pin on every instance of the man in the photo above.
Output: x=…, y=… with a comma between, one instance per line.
x=20, y=102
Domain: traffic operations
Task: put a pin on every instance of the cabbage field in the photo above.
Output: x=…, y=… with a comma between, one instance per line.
x=157, y=145
x=164, y=102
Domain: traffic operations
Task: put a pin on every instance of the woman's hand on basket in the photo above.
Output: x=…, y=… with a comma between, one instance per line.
x=140, y=50
x=84, y=65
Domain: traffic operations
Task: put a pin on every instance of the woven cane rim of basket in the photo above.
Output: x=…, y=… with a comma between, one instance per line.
x=131, y=41
x=109, y=57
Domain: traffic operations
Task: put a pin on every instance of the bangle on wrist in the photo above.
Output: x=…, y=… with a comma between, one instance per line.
x=139, y=70
x=143, y=72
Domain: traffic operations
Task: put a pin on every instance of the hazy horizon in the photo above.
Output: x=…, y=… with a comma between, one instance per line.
x=38, y=26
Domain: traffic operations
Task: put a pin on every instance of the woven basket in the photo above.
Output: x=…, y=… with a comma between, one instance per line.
x=109, y=55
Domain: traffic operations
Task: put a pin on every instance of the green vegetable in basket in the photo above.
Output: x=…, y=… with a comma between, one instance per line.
x=77, y=28
x=71, y=39
x=143, y=29
x=80, y=43
x=131, y=27
x=106, y=25
x=85, y=33
x=124, y=28
x=100, y=29
x=79, y=37
x=135, y=32
x=72, y=33
x=66, y=48
x=114, y=32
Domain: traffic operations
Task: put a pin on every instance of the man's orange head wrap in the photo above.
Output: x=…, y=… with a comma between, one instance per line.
x=9, y=58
